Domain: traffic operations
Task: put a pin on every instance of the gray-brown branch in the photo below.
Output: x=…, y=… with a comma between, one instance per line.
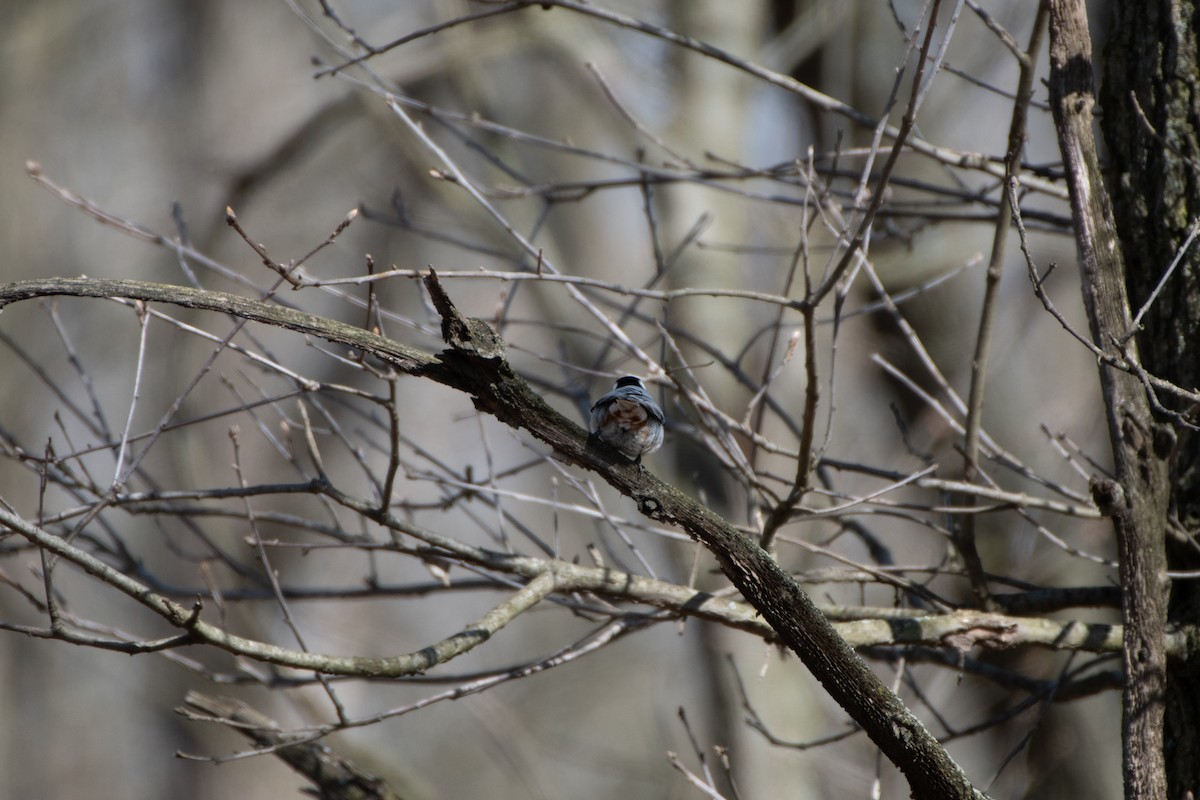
x=1137, y=500
x=474, y=363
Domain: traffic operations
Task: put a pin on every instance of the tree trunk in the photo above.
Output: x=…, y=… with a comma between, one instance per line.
x=1151, y=121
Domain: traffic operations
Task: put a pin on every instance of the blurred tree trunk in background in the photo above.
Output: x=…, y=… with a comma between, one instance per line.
x=1151, y=121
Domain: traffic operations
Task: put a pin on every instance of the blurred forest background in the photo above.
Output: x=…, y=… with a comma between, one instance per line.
x=163, y=114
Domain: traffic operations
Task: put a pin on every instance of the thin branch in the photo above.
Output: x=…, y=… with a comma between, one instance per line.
x=965, y=530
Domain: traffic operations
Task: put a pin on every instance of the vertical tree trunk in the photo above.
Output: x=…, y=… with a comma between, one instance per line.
x=1151, y=121
x=1138, y=496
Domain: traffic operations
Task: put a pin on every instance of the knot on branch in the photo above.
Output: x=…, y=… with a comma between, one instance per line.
x=1165, y=441
x=652, y=507
x=1108, y=496
x=987, y=631
x=463, y=333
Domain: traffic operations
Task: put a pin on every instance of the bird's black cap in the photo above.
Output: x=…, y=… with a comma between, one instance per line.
x=628, y=380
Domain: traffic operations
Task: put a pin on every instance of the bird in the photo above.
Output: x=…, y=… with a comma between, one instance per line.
x=628, y=419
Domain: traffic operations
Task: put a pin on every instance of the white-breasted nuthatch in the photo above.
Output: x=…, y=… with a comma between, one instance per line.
x=628, y=419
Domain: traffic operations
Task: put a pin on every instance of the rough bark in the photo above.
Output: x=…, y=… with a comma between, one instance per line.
x=1151, y=122
x=1136, y=499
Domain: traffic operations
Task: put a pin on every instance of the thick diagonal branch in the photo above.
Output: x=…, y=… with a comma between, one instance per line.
x=474, y=363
